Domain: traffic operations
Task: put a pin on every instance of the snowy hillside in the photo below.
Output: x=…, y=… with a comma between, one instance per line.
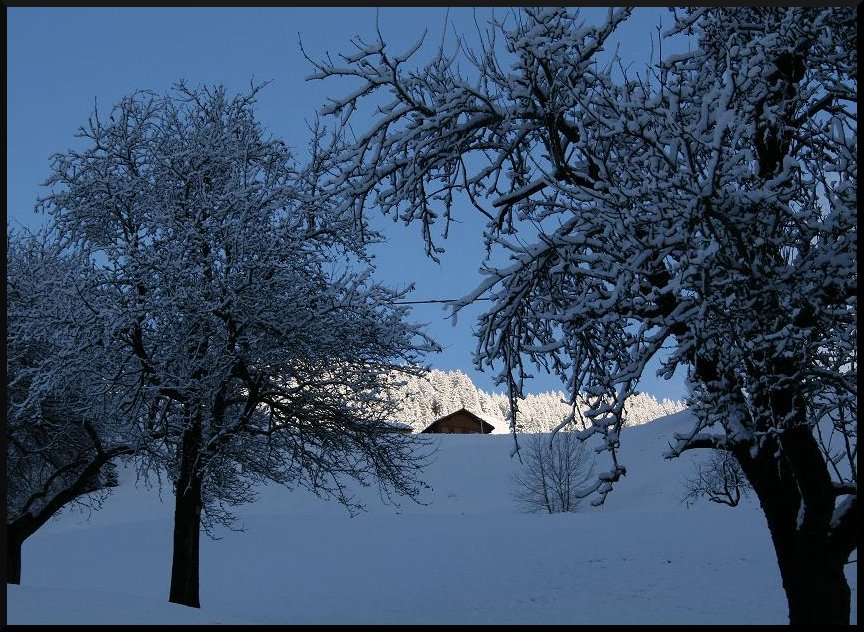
x=467, y=555
x=427, y=398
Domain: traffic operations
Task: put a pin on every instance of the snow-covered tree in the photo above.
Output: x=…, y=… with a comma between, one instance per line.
x=64, y=422
x=260, y=349
x=419, y=403
x=706, y=207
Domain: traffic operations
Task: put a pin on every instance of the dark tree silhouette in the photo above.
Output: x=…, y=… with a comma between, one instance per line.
x=719, y=479
x=706, y=206
x=555, y=468
x=64, y=426
x=260, y=352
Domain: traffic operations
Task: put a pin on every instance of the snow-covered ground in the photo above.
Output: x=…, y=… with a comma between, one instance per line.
x=467, y=556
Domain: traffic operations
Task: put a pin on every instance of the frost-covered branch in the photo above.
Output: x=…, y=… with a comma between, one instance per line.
x=241, y=303
x=710, y=216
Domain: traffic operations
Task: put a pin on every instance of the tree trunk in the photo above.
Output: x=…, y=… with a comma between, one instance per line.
x=812, y=570
x=817, y=591
x=26, y=524
x=813, y=577
x=187, y=532
x=14, y=541
x=187, y=517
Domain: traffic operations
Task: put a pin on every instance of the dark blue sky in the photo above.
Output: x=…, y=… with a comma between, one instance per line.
x=61, y=61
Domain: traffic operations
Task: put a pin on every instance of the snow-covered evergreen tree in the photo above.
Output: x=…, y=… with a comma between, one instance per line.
x=422, y=399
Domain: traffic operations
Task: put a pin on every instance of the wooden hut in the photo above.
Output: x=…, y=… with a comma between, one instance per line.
x=460, y=422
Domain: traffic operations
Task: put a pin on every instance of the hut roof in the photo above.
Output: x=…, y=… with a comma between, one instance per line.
x=485, y=425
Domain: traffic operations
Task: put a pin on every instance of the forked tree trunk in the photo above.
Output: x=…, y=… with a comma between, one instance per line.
x=813, y=575
x=811, y=563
